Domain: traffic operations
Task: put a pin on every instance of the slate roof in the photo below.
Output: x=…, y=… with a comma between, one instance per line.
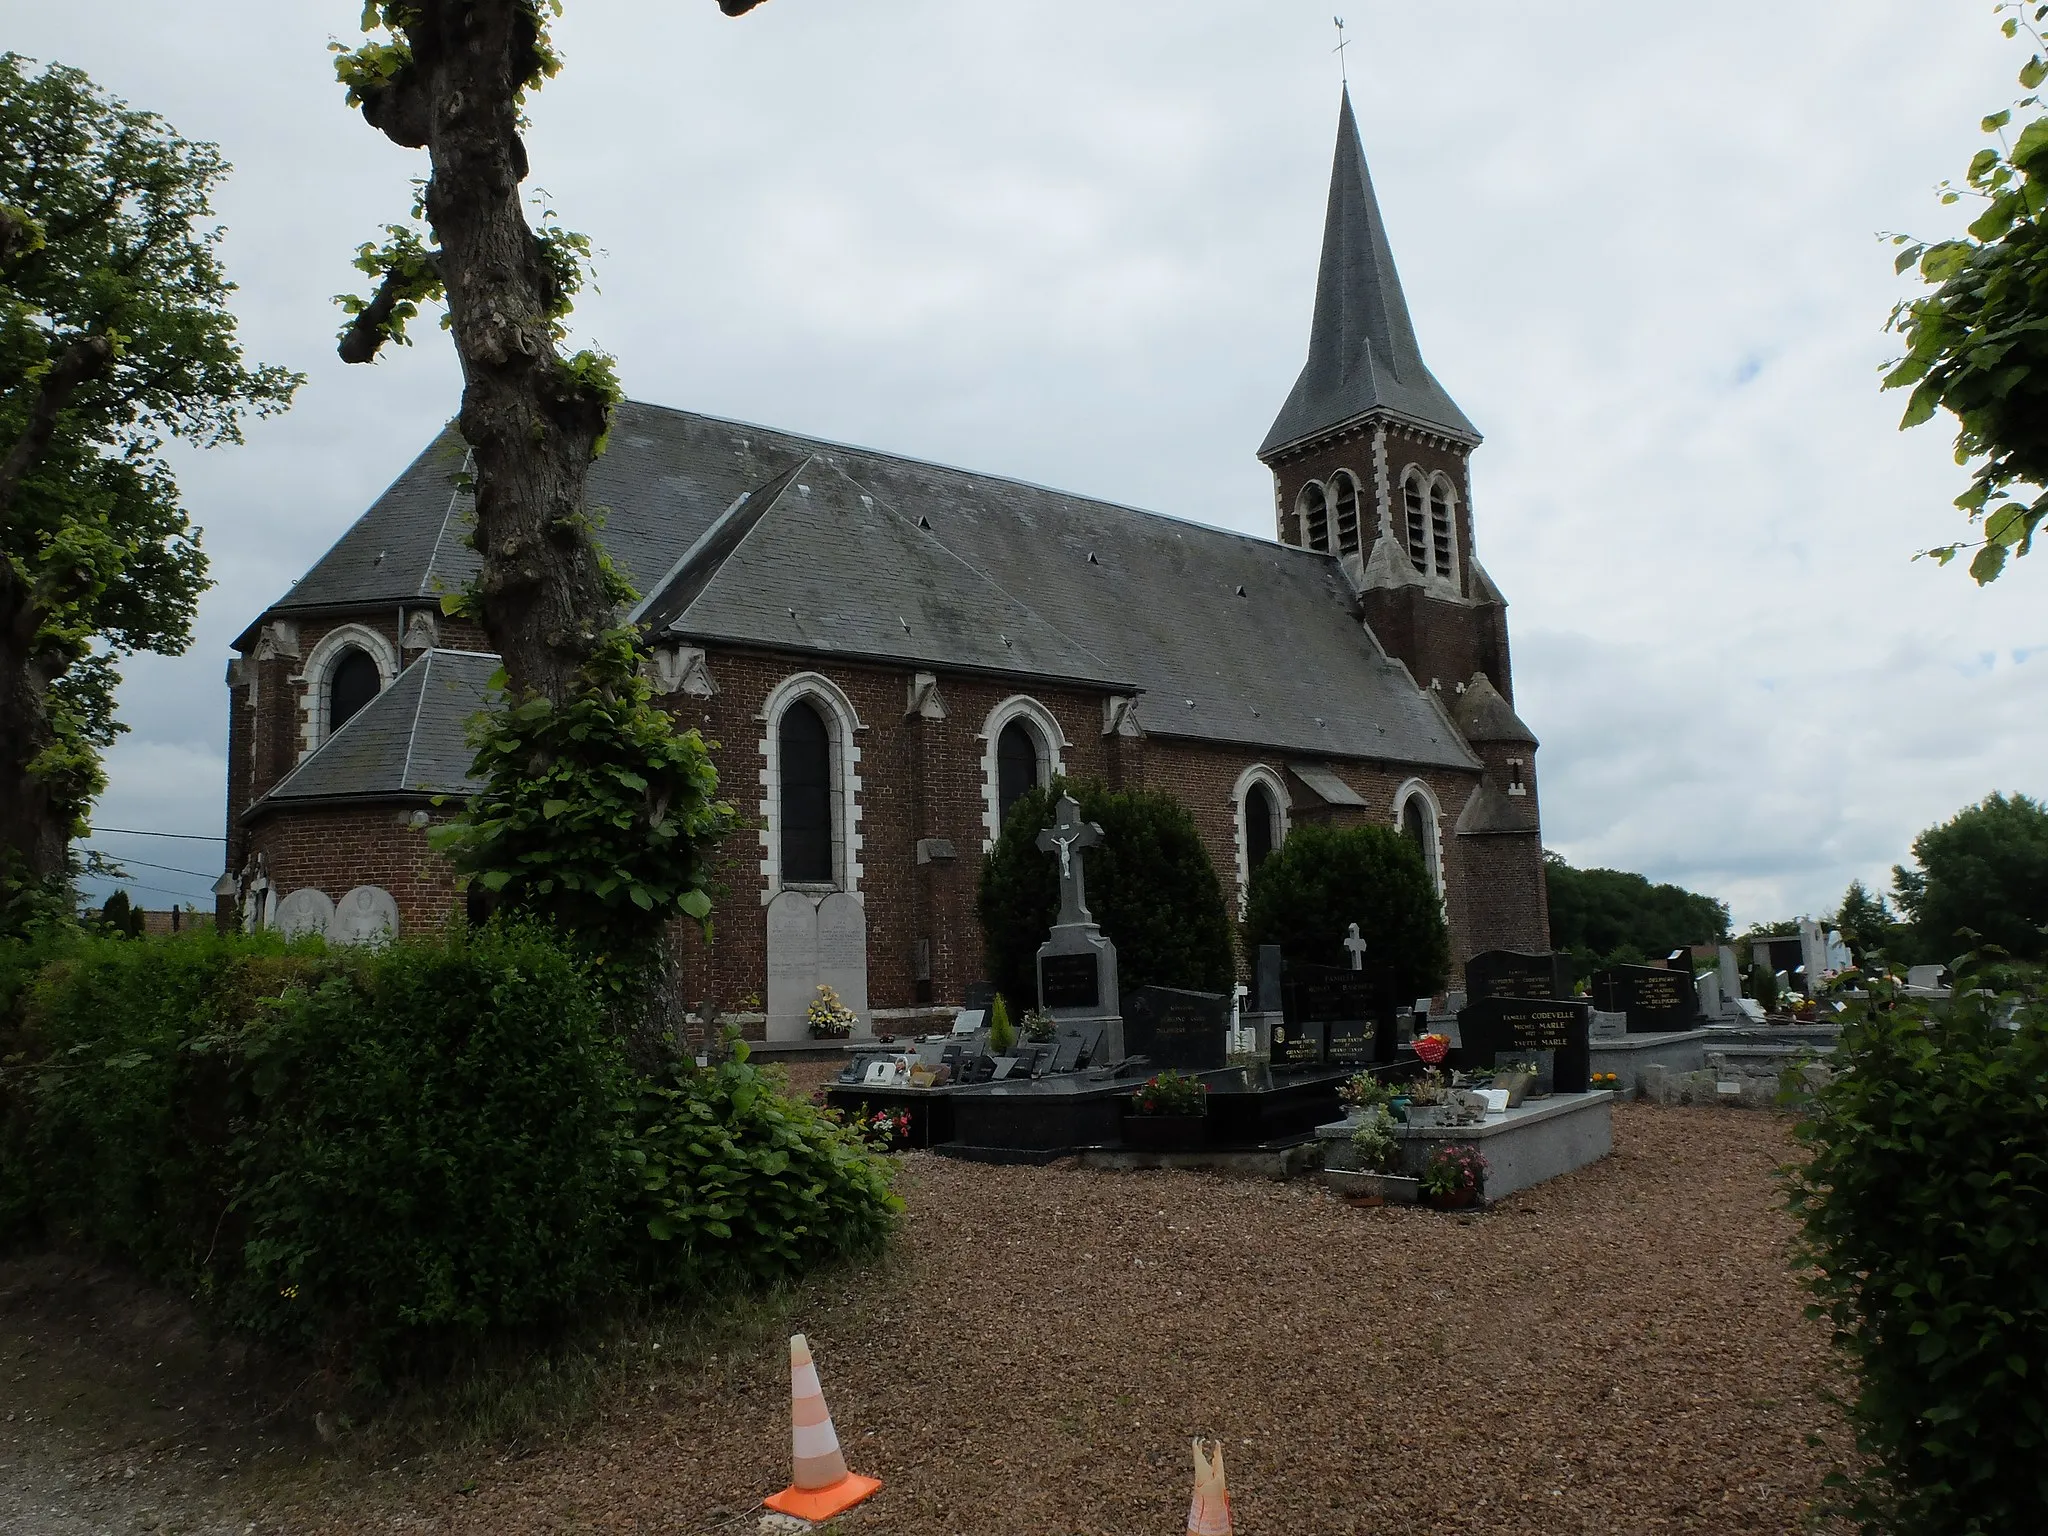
x=406, y=741
x=1362, y=352
x=728, y=527
x=1483, y=715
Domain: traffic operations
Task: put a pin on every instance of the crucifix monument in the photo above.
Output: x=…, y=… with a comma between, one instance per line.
x=1356, y=948
x=1076, y=964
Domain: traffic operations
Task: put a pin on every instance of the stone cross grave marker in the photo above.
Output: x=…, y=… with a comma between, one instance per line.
x=1356, y=947
x=1077, y=965
x=1069, y=836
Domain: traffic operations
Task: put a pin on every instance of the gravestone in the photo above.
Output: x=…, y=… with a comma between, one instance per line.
x=1173, y=1028
x=981, y=995
x=366, y=915
x=1730, y=974
x=792, y=964
x=310, y=910
x=1076, y=964
x=843, y=953
x=1266, y=989
x=1495, y=1025
x=1656, y=1001
x=1349, y=1006
x=1511, y=973
x=1299, y=1044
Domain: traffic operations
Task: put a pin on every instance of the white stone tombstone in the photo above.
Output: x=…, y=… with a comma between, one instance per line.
x=1731, y=977
x=1707, y=987
x=366, y=915
x=792, y=964
x=310, y=910
x=1813, y=955
x=843, y=953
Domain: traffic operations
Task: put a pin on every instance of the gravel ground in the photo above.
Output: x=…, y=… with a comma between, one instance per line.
x=1618, y=1351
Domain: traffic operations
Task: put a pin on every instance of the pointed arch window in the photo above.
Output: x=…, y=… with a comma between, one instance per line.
x=1413, y=503
x=352, y=682
x=1261, y=826
x=1018, y=755
x=1344, y=492
x=806, y=764
x=1315, y=517
x=1442, y=540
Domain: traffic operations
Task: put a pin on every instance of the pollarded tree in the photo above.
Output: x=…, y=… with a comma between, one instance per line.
x=114, y=335
x=451, y=77
x=1151, y=888
x=1323, y=879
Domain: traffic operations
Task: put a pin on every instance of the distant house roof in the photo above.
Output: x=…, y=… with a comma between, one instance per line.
x=747, y=536
x=408, y=741
x=1362, y=354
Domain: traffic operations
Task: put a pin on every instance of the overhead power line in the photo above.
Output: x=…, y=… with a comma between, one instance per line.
x=169, y=869
x=191, y=837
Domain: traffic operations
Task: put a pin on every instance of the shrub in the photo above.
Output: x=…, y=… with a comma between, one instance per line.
x=1374, y=1144
x=1150, y=886
x=1002, y=1034
x=1924, y=1208
x=735, y=1183
x=1321, y=880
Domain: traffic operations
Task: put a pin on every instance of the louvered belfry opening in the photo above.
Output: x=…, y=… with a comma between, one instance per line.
x=1345, y=490
x=1440, y=528
x=1315, y=518
x=1418, y=526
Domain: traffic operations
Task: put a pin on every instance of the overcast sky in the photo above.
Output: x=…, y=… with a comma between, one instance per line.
x=1074, y=241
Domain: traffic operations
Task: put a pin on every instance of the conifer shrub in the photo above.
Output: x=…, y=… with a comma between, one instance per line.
x=1323, y=879
x=1923, y=1199
x=1151, y=888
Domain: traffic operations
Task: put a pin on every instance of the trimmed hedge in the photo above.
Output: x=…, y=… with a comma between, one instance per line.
x=1924, y=1204
x=1150, y=885
x=1322, y=879
x=399, y=1153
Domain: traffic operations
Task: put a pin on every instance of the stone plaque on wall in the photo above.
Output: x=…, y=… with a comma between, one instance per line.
x=310, y=910
x=792, y=964
x=843, y=952
x=366, y=915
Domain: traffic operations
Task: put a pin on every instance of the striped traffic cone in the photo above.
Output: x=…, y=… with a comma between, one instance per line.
x=1209, y=1513
x=822, y=1487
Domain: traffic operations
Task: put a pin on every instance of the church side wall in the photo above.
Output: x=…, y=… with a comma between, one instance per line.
x=338, y=848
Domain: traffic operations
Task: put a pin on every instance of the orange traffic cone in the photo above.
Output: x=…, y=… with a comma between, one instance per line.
x=1209, y=1514
x=822, y=1487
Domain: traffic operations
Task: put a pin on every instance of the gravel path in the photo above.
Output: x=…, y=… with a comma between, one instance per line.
x=1622, y=1350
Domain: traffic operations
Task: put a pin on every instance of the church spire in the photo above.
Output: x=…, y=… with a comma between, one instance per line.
x=1362, y=354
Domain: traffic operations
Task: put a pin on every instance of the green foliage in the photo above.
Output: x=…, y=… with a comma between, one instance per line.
x=598, y=814
x=1150, y=886
x=400, y=1154
x=1985, y=871
x=1763, y=985
x=1373, y=1143
x=1002, y=1034
x=1923, y=1201
x=1321, y=880
x=1454, y=1171
x=119, y=918
x=1868, y=926
x=736, y=1183
x=1611, y=917
x=1171, y=1093
x=1978, y=345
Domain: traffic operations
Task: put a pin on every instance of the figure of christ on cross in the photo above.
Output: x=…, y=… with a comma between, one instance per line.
x=1068, y=836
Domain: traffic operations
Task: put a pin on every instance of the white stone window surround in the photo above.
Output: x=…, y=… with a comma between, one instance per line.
x=1046, y=735
x=319, y=667
x=1275, y=784
x=1433, y=821
x=843, y=726
x=1429, y=484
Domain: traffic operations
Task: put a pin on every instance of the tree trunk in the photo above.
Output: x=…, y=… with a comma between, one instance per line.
x=531, y=424
x=31, y=826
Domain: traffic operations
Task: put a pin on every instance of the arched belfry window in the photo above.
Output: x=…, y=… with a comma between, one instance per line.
x=1442, y=540
x=806, y=774
x=1315, y=518
x=1261, y=826
x=1413, y=503
x=352, y=682
x=1344, y=493
x=1018, y=756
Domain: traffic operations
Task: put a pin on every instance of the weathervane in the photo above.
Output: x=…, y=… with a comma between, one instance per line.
x=1343, y=64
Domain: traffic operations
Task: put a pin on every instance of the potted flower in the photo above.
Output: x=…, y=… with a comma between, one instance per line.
x=886, y=1130
x=1365, y=1093
x=1606, y=1082
x=1040, y=1026
x=1167, y=1113
x=1454, y=1177
x=1425, y=1098
x=829, y=1018
x=1372, y=1161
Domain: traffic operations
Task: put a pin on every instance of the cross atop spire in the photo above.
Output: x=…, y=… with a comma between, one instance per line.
x=1362, y=352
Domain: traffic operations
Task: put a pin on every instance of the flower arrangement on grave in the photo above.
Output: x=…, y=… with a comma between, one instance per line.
x=1430, y=1050
x=1171, y=1093
x=1426, y=1087
x=1040, y=1026
x=886, y=1130
x=1454, y=1175
x=1366, y=1092
x=1373, y=1142
x=828, y=1018
x=1606, y=1081
x=1002, y=1034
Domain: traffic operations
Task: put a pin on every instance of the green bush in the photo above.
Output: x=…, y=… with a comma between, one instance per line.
x=1321, y=880
x=1150, y=885
x=1924, y=1206
x=735, y=1183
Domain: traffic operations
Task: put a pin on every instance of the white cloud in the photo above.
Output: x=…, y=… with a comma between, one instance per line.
x=1077, y=243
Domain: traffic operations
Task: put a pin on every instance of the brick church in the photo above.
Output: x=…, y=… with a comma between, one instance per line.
x=890, y=652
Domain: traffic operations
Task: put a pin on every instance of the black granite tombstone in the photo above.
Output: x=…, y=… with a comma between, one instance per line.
x=1172, y=1028
x=1069, y=981
x=981, y=995
x=1498, y=1024
x=1299, y=1043
x=1656, y=1001
x=1509, y=973
x=1344, y=1001
x=1266, y=981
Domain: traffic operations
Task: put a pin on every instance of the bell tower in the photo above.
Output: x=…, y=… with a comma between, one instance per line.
x=1371, y=456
